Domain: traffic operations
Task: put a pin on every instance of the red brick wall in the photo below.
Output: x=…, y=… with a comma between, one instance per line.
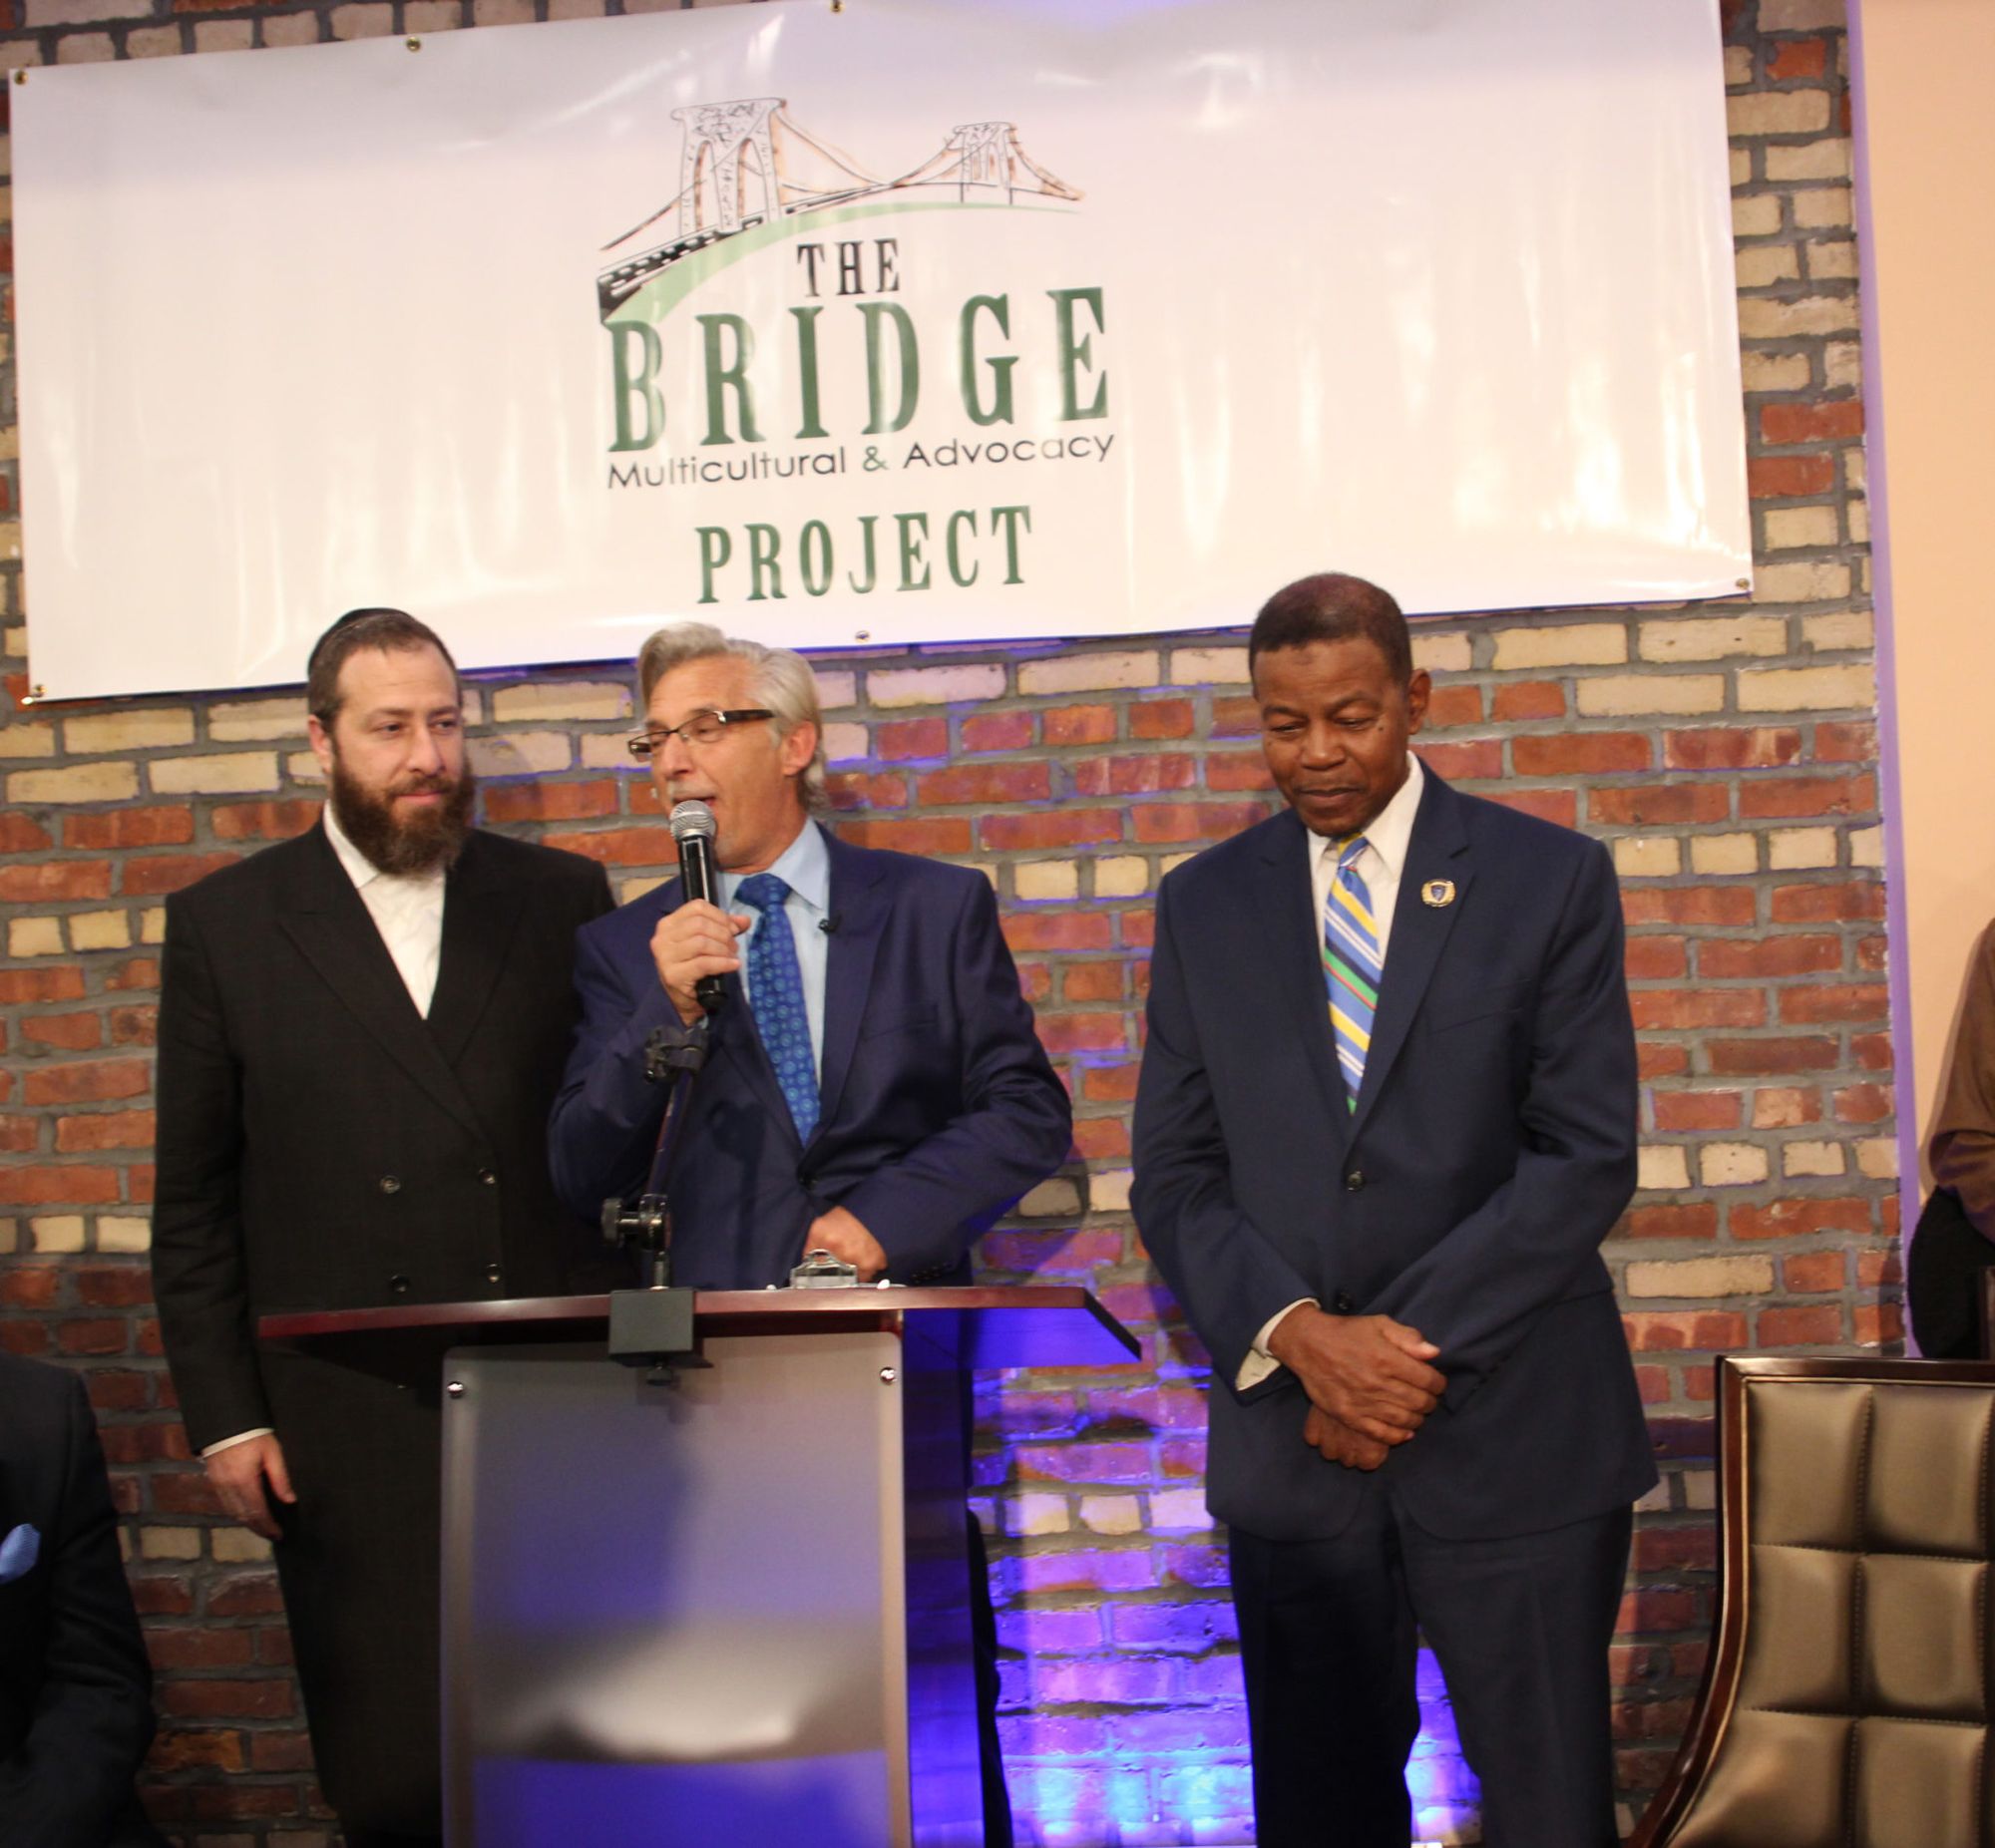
x=1726, y=752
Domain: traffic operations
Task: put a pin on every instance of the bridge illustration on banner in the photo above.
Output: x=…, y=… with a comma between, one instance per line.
x=746, y=163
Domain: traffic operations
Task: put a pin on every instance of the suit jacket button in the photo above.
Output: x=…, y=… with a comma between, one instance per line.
x=487, y=1177
x=1354, y=1181
x=493, y=1274
x=389, y=1184
x=1341, y=1303
x=399, y=1284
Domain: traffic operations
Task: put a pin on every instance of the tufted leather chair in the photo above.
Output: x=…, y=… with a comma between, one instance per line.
x=1847, y=1701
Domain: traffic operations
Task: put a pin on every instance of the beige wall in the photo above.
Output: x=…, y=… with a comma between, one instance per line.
x=1925, y=152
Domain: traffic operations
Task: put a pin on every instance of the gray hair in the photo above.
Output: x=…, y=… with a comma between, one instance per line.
x=782, y=681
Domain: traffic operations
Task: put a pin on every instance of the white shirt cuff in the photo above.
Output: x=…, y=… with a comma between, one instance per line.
x=263, y=1430
x=1259, y=1363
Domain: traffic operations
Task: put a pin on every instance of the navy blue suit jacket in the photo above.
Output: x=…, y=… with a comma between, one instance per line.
x=76, y=1691
x=1491, y=1148
x=938, y=1106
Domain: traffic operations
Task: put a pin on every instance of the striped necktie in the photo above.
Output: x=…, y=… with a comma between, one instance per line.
x=776, y=998
x=1351, y=964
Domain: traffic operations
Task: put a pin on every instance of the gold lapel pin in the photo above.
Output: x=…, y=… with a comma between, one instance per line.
x=1439, y=891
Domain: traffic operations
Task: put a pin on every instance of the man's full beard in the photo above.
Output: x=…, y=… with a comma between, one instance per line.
x=422, y=841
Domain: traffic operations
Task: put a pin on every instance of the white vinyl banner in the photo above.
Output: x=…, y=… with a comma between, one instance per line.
x=927, y=320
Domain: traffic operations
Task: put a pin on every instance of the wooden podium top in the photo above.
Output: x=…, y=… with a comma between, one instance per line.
x=981, y=1325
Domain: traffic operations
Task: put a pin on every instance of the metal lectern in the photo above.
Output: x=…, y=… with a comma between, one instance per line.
x=724, y=1605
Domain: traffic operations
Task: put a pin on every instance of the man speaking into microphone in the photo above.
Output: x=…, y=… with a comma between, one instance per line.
x=873, y=1086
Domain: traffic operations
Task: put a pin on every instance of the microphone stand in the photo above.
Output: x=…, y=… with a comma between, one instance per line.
x=653, y=1326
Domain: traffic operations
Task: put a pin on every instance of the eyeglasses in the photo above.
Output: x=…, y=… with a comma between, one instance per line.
x=703, y=728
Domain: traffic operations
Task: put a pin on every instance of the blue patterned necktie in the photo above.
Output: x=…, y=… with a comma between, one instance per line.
x=776, y=994
x=1351, y=964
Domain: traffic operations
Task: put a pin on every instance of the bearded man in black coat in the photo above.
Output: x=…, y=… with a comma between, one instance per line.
x=360, y=1035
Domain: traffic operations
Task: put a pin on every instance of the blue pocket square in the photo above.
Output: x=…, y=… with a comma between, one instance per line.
x=19, y=1552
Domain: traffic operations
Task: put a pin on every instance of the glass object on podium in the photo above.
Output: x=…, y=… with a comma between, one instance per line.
x=821, y=1270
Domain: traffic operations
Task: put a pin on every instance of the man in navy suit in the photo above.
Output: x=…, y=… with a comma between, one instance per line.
x=76, y=1691
x=1387, y=1115
x=873, y=1085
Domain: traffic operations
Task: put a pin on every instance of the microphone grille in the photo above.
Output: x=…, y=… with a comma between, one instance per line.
x=692, y=821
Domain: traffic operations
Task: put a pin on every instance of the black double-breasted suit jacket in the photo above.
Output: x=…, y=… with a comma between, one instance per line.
x=323, y=1145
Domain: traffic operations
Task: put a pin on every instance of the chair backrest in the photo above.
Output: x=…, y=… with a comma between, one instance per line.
x=1846, y=1702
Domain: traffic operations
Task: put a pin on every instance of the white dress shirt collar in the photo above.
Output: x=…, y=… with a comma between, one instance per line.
x=362, y=871
x=1387, y=843
x=407, y=910
x=1391, y=831
x=804, y=865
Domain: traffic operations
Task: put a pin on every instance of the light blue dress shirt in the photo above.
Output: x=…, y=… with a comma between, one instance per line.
x=804, y=867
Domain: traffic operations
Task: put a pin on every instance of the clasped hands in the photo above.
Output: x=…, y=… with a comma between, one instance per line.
x=1369, y=1380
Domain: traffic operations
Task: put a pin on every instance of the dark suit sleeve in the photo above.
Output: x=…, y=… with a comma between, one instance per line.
x=198, y=1268
x=1476, y=1292
x=604, y=1122
x=71, y=1777
x=597, y=899
x=1228, y=1277
x=1015, y=1126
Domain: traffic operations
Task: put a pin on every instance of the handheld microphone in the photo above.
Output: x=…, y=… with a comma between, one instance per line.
x=693, y=828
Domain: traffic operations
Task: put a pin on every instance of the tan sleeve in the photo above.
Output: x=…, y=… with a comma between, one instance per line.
x=1962, y=1146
